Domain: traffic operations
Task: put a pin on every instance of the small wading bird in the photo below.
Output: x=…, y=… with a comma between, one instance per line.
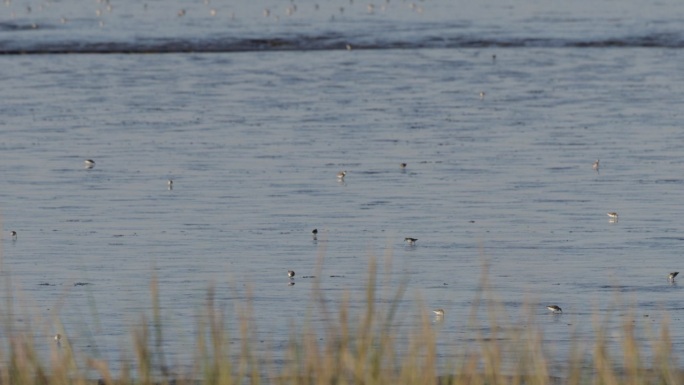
x=672, y=275
x=170, y=184
x=410, y=241
x=291, y=273
x=555, y=308
x=439, y=312
x=89, y=163
x=595, y=166
x=613, y=216
x=341, y=175
x=14, y=235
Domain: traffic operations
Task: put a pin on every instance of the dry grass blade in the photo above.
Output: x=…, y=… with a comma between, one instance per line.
x=356, y=345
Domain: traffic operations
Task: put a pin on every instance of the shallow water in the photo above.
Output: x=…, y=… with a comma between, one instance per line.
x=253, y=140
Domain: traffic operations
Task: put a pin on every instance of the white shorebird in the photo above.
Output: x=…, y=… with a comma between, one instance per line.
x=341, y=175
x=595, y=166
x=672, y=275
x=170, y=184
x=410, y=241
x=439, y=312
x=89, y=163
x=291, y=273
x=482, y=95
x=14, y=235
x=555, y=308
x=613, y=216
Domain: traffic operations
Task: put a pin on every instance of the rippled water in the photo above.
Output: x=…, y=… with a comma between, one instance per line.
x=219, y=26
x=253, y=141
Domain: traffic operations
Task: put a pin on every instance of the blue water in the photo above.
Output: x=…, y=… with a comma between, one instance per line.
x=219, y=26
x=252, y=117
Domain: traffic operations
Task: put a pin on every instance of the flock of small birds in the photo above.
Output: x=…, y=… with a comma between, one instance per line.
x=439, y=313
x=330, y=11
x=314, y=232
x=613, y=218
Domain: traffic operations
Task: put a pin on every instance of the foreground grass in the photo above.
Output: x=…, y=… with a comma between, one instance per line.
x=353, y=349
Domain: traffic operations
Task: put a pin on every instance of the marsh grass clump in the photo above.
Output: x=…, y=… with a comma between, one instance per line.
x=359, y=345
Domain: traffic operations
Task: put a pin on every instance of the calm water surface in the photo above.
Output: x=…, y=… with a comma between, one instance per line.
x=253, y=140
